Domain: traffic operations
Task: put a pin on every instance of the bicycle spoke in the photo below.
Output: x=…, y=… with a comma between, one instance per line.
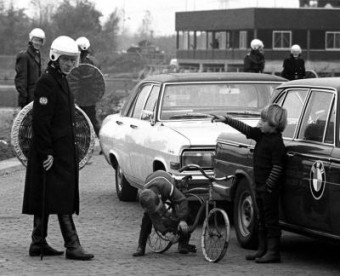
x=160, y=243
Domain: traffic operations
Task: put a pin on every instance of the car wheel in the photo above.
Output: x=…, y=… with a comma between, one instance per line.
x=125, y=191
x=245, y=217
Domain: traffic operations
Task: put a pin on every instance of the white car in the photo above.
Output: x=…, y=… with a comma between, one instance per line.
x=165, y=123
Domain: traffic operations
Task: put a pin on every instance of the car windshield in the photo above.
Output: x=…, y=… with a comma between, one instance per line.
x=198, y=100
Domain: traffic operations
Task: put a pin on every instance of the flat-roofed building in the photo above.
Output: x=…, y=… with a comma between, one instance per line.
x=218, y=40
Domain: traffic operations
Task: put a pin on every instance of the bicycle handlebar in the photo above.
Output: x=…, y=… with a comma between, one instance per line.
x=211, y=178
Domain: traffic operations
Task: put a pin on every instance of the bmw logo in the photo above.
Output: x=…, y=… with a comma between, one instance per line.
x=317, y=180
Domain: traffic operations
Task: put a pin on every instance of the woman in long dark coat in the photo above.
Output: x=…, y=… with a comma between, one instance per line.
x=53, y=155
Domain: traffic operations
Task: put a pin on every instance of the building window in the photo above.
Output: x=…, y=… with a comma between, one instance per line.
x=332, y=40
x=282, y=40
x=201, y=40
x=192, y=41
x=183, y=41
x=243, y=39
x=224, y=40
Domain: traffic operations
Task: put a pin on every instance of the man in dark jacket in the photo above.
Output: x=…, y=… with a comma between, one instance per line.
x=88, y=107
x=294, y=66
x=28, y=67
x=51, y=185
x=254, y=61
x=160, y=187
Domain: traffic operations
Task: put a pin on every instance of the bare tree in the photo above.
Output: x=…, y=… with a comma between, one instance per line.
x=145, y=30
x=44, y=10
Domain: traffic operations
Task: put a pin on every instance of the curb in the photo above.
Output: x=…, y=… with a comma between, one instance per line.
x=10, y=165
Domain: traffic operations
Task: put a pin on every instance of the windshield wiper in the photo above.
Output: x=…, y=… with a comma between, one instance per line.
x=191, y=115
x=244, y=113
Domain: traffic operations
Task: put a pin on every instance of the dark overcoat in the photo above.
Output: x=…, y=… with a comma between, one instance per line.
x=28, y=71
x=293, y=68
x=254, y=62
x=53, y=134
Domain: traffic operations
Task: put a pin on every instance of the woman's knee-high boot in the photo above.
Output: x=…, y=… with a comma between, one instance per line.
x=39, y=239
x=74, y=250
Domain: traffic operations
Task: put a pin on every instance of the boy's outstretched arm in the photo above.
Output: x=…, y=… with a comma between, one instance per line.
x=240, y=126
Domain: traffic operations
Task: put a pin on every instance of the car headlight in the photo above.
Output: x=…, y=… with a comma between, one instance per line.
x=202, y=158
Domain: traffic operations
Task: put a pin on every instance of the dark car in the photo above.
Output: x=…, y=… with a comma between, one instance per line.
x=310, y=200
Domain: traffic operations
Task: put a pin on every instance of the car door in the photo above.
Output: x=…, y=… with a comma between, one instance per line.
x=141, y=131
x=304, y=199
x=333, y=178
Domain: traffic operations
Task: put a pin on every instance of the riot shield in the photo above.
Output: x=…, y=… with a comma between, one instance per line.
x=21, y=135
x=87, y=84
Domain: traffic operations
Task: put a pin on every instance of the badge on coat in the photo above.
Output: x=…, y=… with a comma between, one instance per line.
x=43, y=101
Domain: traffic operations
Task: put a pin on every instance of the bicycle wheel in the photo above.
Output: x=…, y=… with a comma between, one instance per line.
x=160, y=243
x=215, y=235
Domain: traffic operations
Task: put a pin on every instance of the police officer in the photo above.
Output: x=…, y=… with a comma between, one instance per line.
x=53, y=161
x=254, y=61
x=28, y=67
x=294, y=66
x=89, y=109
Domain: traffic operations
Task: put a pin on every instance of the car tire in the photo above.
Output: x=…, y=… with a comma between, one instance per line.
x=125, y=191
x=245, y=216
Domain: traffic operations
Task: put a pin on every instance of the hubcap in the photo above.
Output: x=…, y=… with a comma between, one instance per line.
x=246, y=214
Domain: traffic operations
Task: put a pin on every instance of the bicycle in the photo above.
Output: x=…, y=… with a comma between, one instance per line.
x=216, y=228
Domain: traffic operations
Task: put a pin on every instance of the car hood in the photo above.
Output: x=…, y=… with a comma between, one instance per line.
x=203, y=132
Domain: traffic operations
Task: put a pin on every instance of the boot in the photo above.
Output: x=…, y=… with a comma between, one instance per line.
x=183, y=248
x=39, y=244
x=139, y=252
x=143, y=237
x=192, y=248
x=262, y=247
x=273, y=253
x=74, y=250
x=183, y=244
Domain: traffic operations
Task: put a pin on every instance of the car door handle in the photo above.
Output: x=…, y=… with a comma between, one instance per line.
x=119, y=122
x=133, y=126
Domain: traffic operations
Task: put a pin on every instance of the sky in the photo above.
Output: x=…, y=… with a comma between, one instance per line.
x=163, y=11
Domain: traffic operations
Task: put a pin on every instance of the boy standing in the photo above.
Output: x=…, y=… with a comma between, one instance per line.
x=269, y=161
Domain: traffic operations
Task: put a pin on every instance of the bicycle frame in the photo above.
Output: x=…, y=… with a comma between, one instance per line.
x=216, y=227
x=197, y=192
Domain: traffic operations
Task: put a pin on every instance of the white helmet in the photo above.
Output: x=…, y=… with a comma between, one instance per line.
x=37, y=32
x=83, y=43
x=256, y=44
x=63, y=45
x=295, y=50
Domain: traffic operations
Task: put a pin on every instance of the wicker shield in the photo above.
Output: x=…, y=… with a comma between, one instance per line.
x=21, y=135
x=87, y=84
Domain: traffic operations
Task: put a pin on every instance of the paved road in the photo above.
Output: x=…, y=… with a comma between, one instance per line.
x=109, y=228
